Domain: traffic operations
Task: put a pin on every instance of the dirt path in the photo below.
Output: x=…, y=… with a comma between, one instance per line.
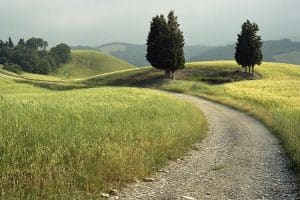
x=239, y=159
x=10, y=77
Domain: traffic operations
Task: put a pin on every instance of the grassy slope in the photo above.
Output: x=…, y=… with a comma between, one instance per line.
x=87, y=63
x=275, y=98
x=62, y=145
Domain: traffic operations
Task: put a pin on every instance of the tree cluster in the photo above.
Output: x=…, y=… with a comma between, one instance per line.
x=165, y=44
x=32, y=56
x=248, y=47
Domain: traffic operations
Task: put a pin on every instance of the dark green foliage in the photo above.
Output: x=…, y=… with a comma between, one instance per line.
x=32, y=56
x=21, y=43
x=12, y=68
x=165, y=45
x=10, y=43
x=5, y=52
x=248, y=47
x=61, y=53
x=36, y=43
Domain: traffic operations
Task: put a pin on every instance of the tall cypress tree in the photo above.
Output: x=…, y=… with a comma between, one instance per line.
x=155, y=42
x=10, y=43
x=165, y=45
x=248, y=47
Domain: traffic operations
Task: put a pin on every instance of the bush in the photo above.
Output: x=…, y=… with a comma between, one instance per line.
x=13, y=68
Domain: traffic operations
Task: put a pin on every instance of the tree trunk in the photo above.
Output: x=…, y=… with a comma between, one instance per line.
x=173, y=75
x=245, y=68
x=253, y=69
x=167, y=73
x=170, y=74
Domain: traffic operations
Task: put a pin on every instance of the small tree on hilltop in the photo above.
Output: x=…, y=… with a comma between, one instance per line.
x=248, y=47
x=165, y=45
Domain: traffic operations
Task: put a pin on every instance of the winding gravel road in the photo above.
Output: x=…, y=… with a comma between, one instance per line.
x=240, y=159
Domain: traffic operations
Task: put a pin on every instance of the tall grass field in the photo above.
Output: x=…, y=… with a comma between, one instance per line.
x=273, y=95
x=75, y=144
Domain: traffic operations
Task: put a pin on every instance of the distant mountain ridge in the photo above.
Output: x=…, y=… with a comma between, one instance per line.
x=284, y=50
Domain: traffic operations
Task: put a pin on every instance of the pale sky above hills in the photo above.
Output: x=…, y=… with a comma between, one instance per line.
x=93, y=22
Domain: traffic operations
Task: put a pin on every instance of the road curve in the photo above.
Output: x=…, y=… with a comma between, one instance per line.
x=240, y=159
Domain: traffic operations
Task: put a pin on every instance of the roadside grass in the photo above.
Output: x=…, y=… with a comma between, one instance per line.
x=75, y=144
x=274, y=99
x=272, y=96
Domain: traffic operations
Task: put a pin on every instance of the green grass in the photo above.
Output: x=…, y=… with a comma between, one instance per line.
x=275, y=99
x=75, y=144
x=9, y=86
x=273, y=96
x=87, y=63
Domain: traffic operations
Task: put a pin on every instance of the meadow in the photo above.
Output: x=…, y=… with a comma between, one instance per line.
x=272, y=96
x=67, y=144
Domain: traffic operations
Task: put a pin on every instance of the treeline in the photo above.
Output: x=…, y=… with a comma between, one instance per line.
x=32, y=56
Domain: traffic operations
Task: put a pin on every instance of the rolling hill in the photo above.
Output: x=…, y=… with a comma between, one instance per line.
x=135, y=54
x=87, y=63
x=272, y=96
x=132, y=53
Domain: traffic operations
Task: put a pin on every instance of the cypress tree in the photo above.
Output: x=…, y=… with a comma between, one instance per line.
x=165, y=45
x=10, y=43
x=155, y=42
x=248, y=47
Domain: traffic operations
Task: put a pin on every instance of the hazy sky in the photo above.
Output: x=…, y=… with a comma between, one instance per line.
x=93, y=22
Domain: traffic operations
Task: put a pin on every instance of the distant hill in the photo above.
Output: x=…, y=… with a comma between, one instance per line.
x=292, y=57
x=295, y=38
x=214, y=53
x=84, y=48
x=271, y=50
x=135, y=54
x=87, y=63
